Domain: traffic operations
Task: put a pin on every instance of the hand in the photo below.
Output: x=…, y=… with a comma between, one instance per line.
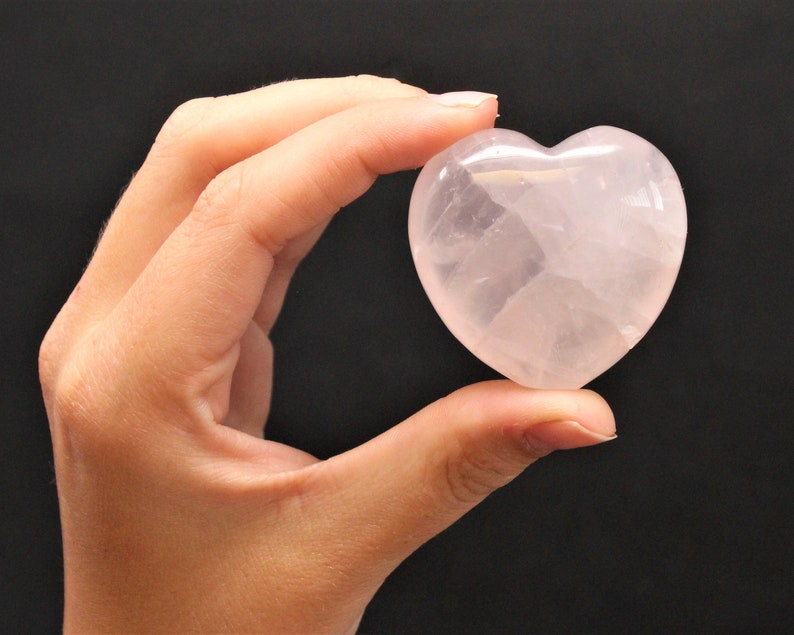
x=176, y=514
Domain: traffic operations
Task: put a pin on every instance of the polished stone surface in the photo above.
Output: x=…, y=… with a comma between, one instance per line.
x=549, y=264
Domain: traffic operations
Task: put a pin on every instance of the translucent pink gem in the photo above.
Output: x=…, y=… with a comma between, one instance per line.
x=549, y=264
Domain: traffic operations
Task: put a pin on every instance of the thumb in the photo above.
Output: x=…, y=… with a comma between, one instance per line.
x=395, y=492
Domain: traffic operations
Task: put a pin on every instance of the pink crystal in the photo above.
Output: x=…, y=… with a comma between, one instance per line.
x=549, y=264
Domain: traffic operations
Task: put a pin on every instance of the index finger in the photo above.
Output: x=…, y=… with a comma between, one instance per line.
x=199, y=292
x=201, y=139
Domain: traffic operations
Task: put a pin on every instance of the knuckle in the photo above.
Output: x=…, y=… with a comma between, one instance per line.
x=221, y=198
x=49, y=356
x=74, y=411
x=185, y=118
x=346, y=175
x=222, y=205
x=69, y=397
x=86, y=399
x=473, y=474
x=55, y=348
x=337, y=168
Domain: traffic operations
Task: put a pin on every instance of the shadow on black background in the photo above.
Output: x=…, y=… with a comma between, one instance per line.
x=684, y=523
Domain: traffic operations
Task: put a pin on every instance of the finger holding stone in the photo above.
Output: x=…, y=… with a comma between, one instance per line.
x=202, y=138
x=199, y=292
x=385, y=498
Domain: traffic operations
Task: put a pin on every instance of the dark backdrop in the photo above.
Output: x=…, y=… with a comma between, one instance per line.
x=681, y=525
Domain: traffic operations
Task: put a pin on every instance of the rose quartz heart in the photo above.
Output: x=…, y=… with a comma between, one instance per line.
x=549, y=264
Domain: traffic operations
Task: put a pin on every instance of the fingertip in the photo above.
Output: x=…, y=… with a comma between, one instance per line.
x=595, y=414
x=570, y=419
x=483, y=106
x=541, y=420
x=548, y=436
x=463, y=99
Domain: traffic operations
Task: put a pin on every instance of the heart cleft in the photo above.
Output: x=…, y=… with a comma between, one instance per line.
x=548, y=264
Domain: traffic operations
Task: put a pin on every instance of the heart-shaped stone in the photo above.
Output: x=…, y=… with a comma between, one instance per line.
x=549, y=264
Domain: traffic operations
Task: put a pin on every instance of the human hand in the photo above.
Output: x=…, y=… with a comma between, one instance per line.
x=176, y=514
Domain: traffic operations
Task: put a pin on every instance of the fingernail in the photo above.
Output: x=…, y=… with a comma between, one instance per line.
x=464, y=98
x=563, y=435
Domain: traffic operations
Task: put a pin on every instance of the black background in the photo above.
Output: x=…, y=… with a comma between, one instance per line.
x=684, y=524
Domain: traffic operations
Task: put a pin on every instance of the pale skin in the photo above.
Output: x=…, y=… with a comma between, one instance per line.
x=177, y=514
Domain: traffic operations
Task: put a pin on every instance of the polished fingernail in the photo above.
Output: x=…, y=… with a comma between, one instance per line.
x=464, y=98
x=563, y=435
